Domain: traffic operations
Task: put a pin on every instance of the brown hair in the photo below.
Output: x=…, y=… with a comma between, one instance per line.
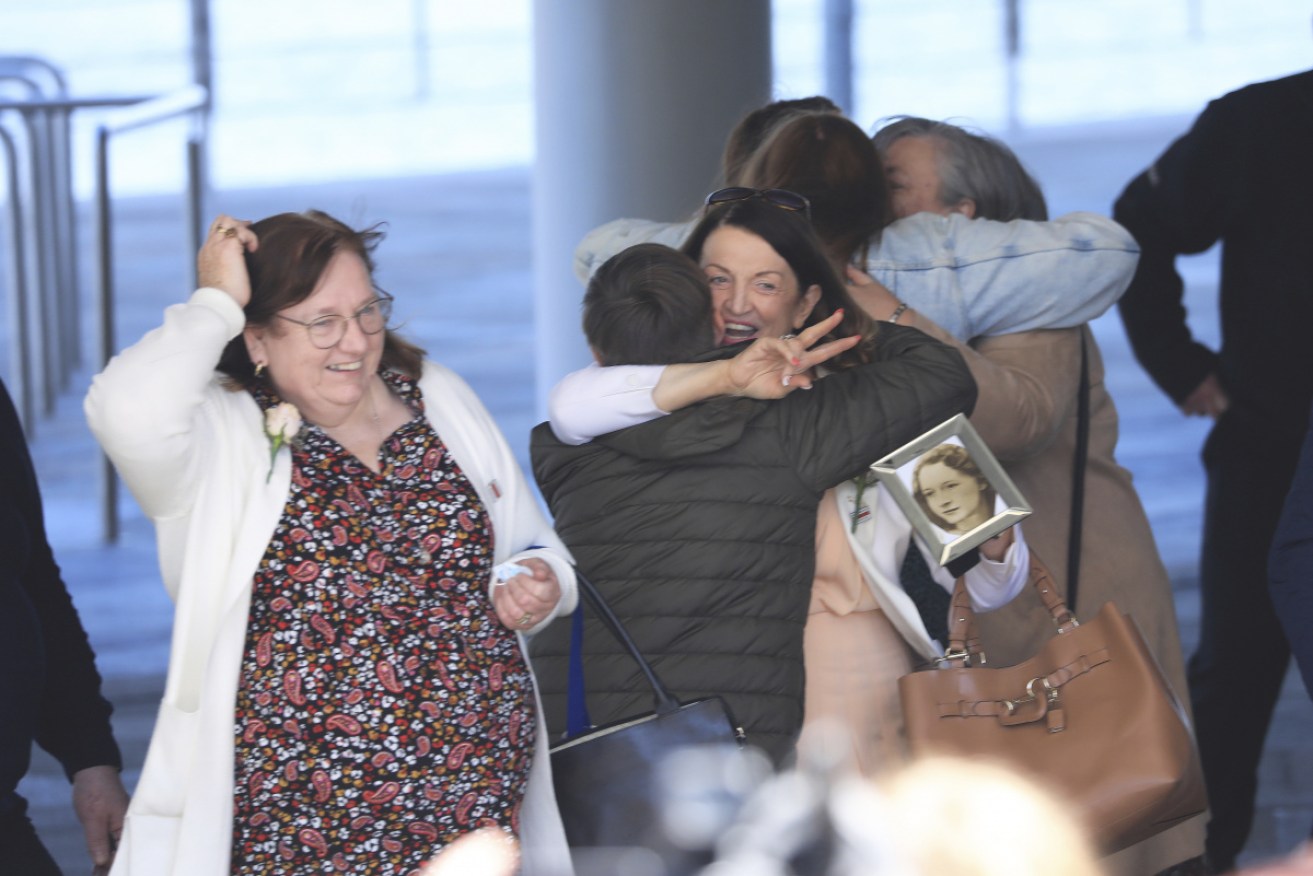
x=294, y=252
x=753, y=129
x=829, y=160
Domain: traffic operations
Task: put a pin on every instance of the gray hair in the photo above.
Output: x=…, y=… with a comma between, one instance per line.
x=973, y=166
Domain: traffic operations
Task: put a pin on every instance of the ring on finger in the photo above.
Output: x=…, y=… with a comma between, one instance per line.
x=225, y=230
x=525, y=620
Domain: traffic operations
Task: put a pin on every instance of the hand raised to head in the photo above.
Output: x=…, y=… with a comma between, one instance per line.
x=221, y=263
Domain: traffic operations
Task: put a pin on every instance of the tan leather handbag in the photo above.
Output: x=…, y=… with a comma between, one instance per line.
x=1090, y=715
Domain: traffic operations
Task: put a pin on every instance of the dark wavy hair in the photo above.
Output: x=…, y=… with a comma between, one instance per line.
x=294, y=252
x=790, y=235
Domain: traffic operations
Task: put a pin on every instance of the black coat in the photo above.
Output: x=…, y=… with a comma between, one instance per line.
x=49, y=686
x=699, y=529
x=1241, y=175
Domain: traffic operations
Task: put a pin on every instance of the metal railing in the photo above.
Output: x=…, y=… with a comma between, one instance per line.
x=192, y=101
x=45, y=307
x=45, y=228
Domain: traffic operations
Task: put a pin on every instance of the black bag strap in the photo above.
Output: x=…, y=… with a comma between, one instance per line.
x=1078, y=473
x=665, y=701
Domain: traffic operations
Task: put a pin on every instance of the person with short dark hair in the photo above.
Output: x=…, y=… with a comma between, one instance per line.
x=647, y=307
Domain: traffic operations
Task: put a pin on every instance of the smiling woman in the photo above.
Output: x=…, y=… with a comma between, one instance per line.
x=314, y=688
x=768, y=275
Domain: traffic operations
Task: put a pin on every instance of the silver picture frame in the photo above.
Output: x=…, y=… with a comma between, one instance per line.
x=948, y=540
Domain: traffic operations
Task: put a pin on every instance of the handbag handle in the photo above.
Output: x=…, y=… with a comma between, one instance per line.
x=964, y=640
x=1078, y=474
x=665, y=701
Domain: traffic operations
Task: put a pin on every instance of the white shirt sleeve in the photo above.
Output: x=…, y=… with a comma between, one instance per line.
x=993, y=585
x=594, y=401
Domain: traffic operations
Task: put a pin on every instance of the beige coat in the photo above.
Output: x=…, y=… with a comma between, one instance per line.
x=1026, y=413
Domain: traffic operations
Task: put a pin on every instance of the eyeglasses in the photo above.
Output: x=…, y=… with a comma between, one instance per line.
x=327, y=331
x=782, y=198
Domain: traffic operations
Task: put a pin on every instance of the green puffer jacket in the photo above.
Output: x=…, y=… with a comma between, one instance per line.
x=699, y=530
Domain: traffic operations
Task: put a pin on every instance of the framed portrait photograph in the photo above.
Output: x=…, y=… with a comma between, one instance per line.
x=952, y=489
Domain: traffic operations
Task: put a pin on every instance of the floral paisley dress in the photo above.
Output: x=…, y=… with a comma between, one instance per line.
x=383, y=709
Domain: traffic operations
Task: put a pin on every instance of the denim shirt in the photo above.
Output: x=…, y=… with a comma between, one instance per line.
x=971, y=277
x=975, y=277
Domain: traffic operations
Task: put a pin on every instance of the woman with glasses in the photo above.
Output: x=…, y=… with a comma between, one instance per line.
x=355, y=558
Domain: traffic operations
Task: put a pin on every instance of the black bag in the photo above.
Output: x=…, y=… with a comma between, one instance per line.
x=608, y=779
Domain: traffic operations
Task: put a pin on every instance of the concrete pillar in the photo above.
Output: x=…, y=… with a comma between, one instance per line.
x=634, y=100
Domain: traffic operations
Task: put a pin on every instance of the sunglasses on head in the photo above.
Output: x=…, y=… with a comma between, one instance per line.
x=782, y=198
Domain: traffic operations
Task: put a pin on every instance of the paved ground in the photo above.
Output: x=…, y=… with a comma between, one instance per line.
x=457, y=258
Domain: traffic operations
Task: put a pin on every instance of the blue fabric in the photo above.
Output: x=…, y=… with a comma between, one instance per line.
x=576, y=703
x=1290, y=566
x=971, y=277
x=976, y=277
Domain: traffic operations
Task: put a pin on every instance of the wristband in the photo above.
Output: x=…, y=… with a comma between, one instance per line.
x=898, y=311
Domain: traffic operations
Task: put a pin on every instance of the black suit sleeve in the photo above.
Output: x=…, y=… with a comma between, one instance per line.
x=852, y=418
x=73, y=721
x=1180, y=205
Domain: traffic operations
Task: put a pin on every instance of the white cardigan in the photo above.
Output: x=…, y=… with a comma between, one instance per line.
x=196, y=458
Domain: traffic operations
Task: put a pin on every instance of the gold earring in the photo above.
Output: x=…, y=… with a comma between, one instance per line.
x=259, y=369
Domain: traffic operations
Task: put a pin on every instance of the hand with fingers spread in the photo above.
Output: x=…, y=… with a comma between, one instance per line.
x=774, y=367
x=221, y=263
x=522, y=601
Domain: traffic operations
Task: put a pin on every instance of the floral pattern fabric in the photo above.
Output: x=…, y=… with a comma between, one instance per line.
x=383, y=708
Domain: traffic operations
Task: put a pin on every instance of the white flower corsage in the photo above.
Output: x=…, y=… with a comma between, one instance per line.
x=282, y=423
